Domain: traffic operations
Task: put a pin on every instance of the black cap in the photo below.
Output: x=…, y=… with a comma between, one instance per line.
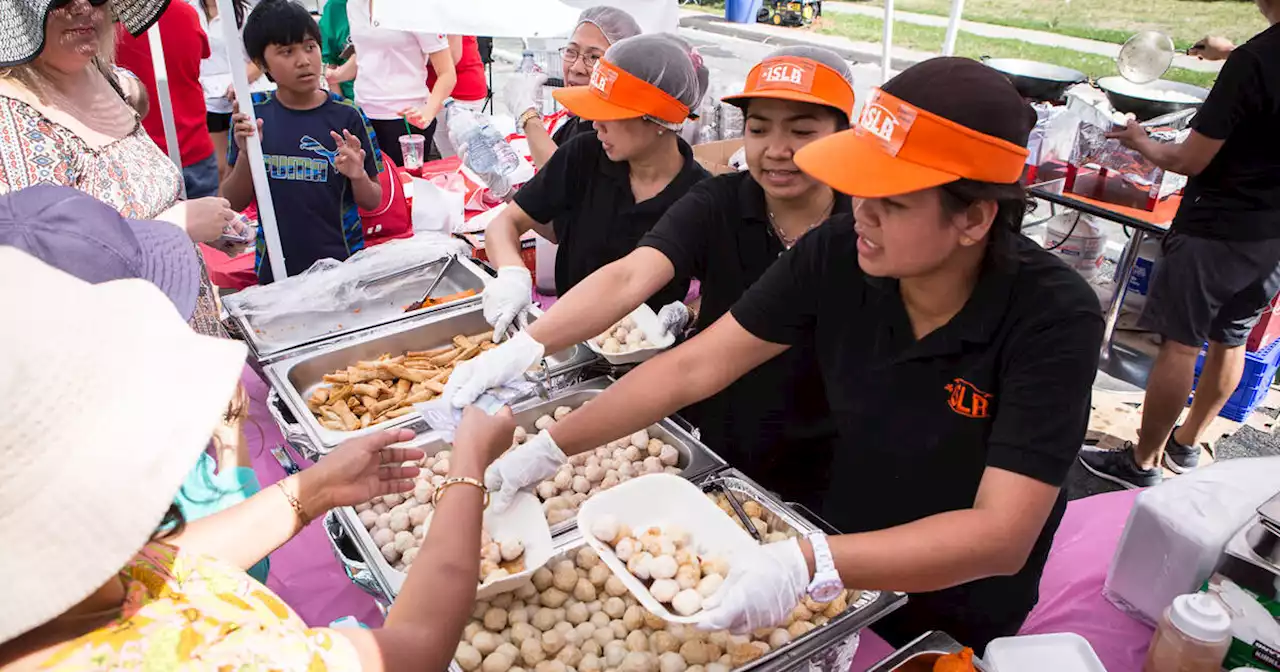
x=968, y=93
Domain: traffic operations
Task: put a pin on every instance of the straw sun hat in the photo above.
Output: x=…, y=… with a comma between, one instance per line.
x=22, y=24
x=98, y=431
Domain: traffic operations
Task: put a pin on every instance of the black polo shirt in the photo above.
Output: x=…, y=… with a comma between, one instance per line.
x=596, y=219
x=572, y=128
x=1006, y=384
x=772, y=423
x=1237, y=196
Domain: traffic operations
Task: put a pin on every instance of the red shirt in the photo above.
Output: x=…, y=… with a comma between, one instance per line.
x=185, y=45
x=471, y=85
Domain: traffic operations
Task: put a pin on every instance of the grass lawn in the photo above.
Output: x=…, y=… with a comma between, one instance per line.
x=1186, y=21
x=929, y=38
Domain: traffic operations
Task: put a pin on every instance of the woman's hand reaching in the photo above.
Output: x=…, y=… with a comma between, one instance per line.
x=360, y=470
x=480, y=439
x=204, y=219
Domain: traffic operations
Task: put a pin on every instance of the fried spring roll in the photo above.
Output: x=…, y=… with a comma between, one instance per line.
x=336, y=377
x=419, y=397
x=481, y=337
x=445, y=358
x=368, y=401
x=329, y=413
x=406, y=410
x=428, y=354
x=399, y=371
x=433, y=386
x=467, y=354
x=365, y=420
x=332, y=424
x=402, y=387
x=321, y=394
x=384, y=406
x=357, y=374
x=462, y=341
x=349, y=421
x=340, y=394
x=366, y=389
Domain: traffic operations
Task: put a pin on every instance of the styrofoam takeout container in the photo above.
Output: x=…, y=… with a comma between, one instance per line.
x=647, y=321
x=662, y=500
x=1058, y=652
x=525, y=521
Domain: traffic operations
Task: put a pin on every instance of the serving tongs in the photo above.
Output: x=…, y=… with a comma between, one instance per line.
x=717, y=485
x=426, y=296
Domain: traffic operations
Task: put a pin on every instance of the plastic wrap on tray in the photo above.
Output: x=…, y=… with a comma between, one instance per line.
x=332, y=286
x=1094, y=149
x=1053, y=138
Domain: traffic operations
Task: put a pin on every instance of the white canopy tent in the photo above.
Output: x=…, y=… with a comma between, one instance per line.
x=948, y=43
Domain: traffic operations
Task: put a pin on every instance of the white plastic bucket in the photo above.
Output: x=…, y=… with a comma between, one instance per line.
x=1078, y=241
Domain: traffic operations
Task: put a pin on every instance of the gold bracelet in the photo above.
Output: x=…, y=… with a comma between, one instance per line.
x=293, y=502
x=527, y=116
x=459, y=480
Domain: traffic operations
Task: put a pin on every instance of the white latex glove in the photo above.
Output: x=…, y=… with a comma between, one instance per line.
x=520, y=93
x=493, y=368
x=764, y=585
x=506, y=297
x=674, y=317
x=527, y=465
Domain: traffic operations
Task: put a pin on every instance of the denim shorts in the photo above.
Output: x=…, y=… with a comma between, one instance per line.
x=201, y=178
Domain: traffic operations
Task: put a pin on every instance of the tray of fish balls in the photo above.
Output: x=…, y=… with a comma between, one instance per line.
x=633, y=339
x=576, y=615
x=389, y=530
x=661, y=448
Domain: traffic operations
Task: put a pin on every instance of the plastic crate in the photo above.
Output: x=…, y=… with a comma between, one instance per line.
x=1259, y=371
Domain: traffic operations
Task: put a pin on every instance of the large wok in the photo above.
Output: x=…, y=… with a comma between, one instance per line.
x=1155, y=99
x=1036, y=81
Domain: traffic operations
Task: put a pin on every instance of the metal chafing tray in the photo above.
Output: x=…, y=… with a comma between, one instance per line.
x=277, y=336
x=828, y=648
x=921, y=654
x=296, y=375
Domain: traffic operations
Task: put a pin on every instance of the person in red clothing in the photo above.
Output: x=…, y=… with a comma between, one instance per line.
x=470, y=91
x=185, y=45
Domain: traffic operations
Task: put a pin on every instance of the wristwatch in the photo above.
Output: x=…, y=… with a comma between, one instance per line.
x=826, y=584
x=528, y=115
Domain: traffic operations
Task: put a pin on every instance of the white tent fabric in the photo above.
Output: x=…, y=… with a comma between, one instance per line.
x=516, y=18
x=948, y=44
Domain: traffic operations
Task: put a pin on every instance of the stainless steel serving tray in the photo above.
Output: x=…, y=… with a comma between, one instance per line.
x=271, y=338
x=295, y=377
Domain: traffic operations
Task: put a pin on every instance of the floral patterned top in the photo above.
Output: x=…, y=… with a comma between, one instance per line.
x=131, y=175
x=186, y=612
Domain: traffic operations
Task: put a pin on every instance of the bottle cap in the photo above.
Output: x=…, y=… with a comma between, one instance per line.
x=1200, y=616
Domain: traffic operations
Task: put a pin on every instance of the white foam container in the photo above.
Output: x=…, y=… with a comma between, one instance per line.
x=662, y=500
x=647, y=321
x=525, y=521
x=1058, y=652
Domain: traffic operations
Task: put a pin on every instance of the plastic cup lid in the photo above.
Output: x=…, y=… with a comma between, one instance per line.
x=1200, y=616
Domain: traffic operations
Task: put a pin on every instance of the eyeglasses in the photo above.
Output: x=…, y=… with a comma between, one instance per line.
x=571, y=54
x=63, y=4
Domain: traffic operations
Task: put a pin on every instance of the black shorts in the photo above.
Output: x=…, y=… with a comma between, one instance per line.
x=217, y=122
x=1211, y=290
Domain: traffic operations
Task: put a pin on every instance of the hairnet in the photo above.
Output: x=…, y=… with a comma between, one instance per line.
x=820, y=54
x=613, y=22
x=666, y=62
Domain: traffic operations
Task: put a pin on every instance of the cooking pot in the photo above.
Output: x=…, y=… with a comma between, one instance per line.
x=1151, y=100
x=1037, y=81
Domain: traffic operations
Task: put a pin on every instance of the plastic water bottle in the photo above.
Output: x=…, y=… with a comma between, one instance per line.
x=528, y=66
x=483, y=149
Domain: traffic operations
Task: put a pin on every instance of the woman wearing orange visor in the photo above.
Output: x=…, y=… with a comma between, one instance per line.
x=773, y=422
x=604, y=191
x=956, y=355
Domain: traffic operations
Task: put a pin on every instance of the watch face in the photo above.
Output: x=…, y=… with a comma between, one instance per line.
x=826, y=591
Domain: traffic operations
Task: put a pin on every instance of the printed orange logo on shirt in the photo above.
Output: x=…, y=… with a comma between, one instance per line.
x=967, y=400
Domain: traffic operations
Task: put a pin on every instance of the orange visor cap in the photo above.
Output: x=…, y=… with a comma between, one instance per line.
x=799, y=79
x=615, y=94
x=897, y=148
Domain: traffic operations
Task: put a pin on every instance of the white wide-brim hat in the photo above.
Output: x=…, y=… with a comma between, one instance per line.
x=22, y=24
x=109, y=398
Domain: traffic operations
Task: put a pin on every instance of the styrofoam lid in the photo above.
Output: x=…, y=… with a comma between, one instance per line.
x=1200, y=616
x=1057, y=652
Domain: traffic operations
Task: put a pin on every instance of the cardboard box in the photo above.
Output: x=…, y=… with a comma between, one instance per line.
x=528, y=251
x=714, y=156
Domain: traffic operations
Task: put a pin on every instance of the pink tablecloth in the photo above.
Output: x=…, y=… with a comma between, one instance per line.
x=306, y=575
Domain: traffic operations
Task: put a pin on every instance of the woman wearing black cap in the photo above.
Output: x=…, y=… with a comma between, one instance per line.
x=957, y=357
x=604, y=191
x=726, y=231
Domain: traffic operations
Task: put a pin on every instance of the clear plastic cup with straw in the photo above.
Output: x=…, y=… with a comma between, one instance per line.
x=414, y=148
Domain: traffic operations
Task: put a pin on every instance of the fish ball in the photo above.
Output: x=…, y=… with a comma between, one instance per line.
x=687, y=602
x=497, y=661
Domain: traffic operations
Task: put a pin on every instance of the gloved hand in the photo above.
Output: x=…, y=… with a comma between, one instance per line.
x=534, y=461
x=506, y=297
x=764, y=585
x=491, y=369
x=674, y=317
x=520, y=93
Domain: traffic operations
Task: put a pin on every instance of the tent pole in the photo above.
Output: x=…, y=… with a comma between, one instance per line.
x=166, y=103
x=953, y=27
x=887, y=42
x=261, y=187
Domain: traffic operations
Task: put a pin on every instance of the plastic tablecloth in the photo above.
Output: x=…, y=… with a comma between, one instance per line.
x=307, y=576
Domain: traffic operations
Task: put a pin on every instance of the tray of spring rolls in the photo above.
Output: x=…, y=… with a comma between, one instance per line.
x=335, y=300
x=345, y=387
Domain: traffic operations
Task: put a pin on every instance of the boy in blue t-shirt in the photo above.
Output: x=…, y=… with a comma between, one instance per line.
x=320, y=154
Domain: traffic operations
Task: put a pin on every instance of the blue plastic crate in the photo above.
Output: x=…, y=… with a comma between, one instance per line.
x=1259, y=370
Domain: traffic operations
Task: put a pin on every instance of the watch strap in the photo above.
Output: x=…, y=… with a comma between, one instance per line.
x=823, y=563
